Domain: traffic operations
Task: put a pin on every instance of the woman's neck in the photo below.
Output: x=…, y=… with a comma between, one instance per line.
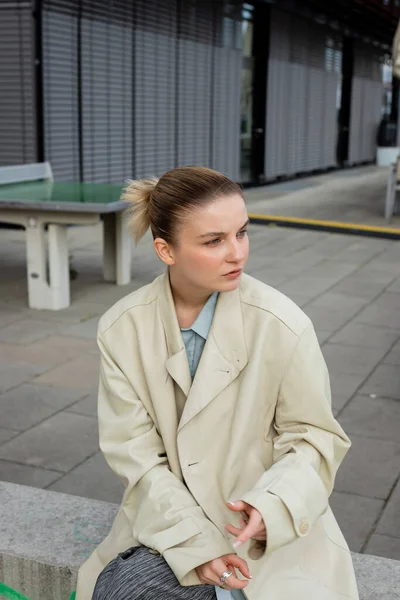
x=188, y=301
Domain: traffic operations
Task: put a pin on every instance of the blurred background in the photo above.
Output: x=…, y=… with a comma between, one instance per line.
x=104, y=89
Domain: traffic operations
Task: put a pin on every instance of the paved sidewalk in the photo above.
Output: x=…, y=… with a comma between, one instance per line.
x=353, y=195
x=349, y=286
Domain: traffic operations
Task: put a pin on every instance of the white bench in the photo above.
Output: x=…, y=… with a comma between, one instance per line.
x=48, y=278
x=393, y=186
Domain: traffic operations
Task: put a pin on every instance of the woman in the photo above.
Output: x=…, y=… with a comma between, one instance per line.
x=214, y=409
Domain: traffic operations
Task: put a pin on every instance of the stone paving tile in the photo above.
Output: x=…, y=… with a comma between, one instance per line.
x=110, y=293
x=91, y=479
x=338, y=402
x=6, y=434
x=337, y=301
x=335, y=271
x=395, y=285
x=393, y=358
x=383, y=545
x=322, y=335
x=15, y=373
x=291, y=266
x=355, y=286
x=354, y=360
x=370, y=468
x=345, y=384
x=300, y=298
x=26, y=475
x=363, y=335
x=50, y=351
x=389, y=524
x=381, y=273
x=27, y=405
x=308, y=285
x=384, y=381
x=272, y=277
x=86, y=406
x=86, y=330
x=60, y=443
x=375, y=417
x=388, y=301
x=329, y=319
x=26, y=331
x=347, y=509
x=75, y=313
x=9, y=316
x=377, y=315
x=360, y=251
x=81, y=374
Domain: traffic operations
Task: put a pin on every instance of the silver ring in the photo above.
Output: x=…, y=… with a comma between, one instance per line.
x=225, y=576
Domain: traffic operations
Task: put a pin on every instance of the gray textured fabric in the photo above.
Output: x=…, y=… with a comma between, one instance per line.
x=137, y=574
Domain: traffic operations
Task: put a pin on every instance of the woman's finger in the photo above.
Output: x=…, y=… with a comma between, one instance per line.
x=254, y=527
x=235, y=531
x=238, y=506
x=239, y=563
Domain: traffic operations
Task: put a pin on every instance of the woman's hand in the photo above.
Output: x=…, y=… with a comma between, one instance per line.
x=251, y=524
x=212, y=571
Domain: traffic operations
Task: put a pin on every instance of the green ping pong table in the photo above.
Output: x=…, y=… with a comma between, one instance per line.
x=35, y=204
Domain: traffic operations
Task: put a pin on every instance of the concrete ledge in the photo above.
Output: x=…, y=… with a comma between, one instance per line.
x=45, y=536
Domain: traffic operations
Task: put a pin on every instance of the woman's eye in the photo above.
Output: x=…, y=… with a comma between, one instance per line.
x=213, y=242
x=242, y=233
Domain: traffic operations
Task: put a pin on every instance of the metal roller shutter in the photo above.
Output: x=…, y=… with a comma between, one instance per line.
x=155, y=87
x=106, y=62
x=276, y=162
x=135, y=89
x=225, y=93
x=60, y=90
x=194, y=82
x=17, y=85
x=315, y=40
x=366, y=103
x=301, y=118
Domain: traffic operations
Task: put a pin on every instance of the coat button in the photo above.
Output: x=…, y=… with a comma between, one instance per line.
x=304, y=527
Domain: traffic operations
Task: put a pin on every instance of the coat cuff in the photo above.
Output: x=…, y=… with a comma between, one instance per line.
x=196, y=550
x=278, y=523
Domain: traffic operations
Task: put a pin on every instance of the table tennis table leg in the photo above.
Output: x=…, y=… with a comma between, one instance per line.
x=42, y=293
x=59, y=290
x=117, y=245
x=36, y=264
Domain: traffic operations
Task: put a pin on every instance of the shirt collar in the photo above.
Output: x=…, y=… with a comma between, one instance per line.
x=202, y=324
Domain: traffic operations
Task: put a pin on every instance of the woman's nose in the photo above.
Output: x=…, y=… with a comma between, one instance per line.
x=236, y=252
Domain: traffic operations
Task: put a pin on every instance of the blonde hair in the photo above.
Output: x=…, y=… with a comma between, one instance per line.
x=162, y=204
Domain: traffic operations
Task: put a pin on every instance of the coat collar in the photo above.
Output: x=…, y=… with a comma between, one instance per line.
x=223, y=358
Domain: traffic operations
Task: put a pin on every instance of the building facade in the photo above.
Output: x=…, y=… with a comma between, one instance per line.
x=113, y=89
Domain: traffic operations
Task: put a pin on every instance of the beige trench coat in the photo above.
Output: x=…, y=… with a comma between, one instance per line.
x=256, y=424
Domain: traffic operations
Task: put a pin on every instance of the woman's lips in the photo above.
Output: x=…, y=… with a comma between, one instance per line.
x=233, y=274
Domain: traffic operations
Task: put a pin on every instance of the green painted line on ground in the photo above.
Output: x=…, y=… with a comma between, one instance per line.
x=11, y=594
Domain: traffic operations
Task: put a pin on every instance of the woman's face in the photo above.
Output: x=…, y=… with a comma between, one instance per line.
x=213, y=246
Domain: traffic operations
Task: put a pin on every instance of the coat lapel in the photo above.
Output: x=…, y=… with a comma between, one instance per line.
x=223, y=358
x=177, y=363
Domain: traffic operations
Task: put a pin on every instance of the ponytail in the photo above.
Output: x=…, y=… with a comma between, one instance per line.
x=163, y=204
x=138, y=195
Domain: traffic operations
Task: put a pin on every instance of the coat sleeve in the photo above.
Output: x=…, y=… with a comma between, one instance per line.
x=163, y=514
x=308, y=449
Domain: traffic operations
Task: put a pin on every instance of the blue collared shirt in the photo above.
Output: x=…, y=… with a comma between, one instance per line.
x=194, y=338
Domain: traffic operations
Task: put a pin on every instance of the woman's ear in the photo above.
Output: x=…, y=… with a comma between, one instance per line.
x=164, y=251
